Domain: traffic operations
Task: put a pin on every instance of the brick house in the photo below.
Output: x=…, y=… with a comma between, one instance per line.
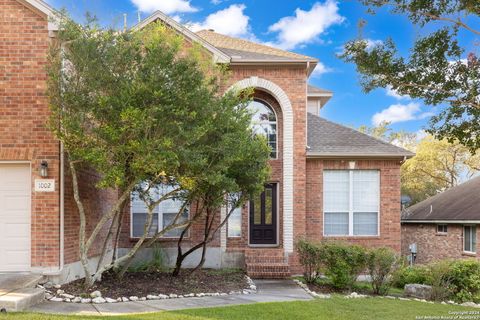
x=327, y=181
x=443, y=226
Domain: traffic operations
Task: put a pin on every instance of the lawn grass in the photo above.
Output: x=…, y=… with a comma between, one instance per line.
x=336, y=308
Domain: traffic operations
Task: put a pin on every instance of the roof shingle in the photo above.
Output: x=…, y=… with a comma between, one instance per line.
x=460, y=203
x=244, y=48
x=329, y=139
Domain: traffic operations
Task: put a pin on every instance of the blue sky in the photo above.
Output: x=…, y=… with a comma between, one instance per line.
x=315, y=28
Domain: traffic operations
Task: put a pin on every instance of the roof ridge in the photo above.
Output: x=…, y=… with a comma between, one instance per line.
x=359, y=132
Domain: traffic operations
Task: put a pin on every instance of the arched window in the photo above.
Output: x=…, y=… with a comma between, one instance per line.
x=264, y=122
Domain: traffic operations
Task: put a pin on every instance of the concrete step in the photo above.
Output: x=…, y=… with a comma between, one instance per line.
x=18, y=291
x=21, y=299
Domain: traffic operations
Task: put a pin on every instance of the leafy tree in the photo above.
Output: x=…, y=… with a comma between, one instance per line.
x=141, y=109
x=436, y=166
x=438, y=69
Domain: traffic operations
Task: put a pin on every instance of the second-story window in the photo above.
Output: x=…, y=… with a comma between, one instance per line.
x=264, y=122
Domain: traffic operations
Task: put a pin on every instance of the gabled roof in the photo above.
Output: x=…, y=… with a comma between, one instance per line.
x=218, y=55
x=227, y=49
x=459, y=204
x=263, y=52
x=44, y=8
x=327, y=139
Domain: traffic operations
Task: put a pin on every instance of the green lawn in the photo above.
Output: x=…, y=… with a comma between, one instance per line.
x=337, y=308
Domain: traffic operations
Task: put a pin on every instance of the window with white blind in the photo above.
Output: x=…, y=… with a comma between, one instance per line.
x=351, y=202
x=163, y=214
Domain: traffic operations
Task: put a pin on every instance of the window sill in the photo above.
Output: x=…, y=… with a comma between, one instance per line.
x=352, y=237
x=441, y=234
x=133, y=239
x=469, y=254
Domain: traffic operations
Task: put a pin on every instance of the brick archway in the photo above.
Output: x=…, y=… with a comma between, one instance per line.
x=287, y=111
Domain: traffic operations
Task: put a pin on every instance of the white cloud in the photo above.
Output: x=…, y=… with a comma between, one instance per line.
x=166, y=6
x=306, y=26
x=216, y=2
x=231, y=21
x=320, y=70
x=400, y=113
x=371, y=43
x=394, y=94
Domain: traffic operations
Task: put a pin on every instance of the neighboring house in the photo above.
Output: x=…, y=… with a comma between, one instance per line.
x=327, y=182
x=445, y=225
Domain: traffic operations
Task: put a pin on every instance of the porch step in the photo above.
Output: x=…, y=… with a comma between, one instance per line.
x=268, y=271
x=266, y=263
x=21, y=299
x=18, y=291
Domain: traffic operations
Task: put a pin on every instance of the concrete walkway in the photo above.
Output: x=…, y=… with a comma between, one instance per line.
x=267, y=291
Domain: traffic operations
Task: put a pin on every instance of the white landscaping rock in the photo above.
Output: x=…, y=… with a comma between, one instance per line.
x=86, y=300
x=152, y=297
x=98, y=300
x=60, y=292
x=77, y=300
x=143, y=299
x=110, y=300
x=56, y=299
x=133, y=298
x=125, y=299
x=67, y=296
x=48, y=296
x=163, y=296
x=95, y=294
x=57, y=286
x=469, y=304
x=355, y=295
x=172, y=295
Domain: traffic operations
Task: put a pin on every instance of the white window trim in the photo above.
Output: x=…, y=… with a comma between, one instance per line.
x=159, y=224
x=463, y=238
x=350, y=208
x=442, y=232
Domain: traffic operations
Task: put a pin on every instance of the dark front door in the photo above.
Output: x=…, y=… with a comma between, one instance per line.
x=263, y=216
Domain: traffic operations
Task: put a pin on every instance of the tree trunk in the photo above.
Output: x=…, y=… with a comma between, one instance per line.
x=83, y=249
x=117, y=234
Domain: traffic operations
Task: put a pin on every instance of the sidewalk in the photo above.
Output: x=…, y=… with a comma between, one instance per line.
x=267, y=291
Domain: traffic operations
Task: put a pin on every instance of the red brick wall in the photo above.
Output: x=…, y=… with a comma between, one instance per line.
x=389, y=200
x=293, y=81
x=96, y=202
x=24, y=136
x=433, y=246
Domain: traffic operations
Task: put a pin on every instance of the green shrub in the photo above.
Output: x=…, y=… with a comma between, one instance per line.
x=381, y=263
x=465, y=280
x=156, y=264
x=406, y=274
x=343, y=263
x=309, y=255
x=439, y=277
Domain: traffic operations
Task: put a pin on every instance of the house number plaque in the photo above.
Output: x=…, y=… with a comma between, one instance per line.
x=44, y=185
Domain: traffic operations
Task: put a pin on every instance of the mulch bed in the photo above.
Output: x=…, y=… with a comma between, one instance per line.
x=141, y=284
